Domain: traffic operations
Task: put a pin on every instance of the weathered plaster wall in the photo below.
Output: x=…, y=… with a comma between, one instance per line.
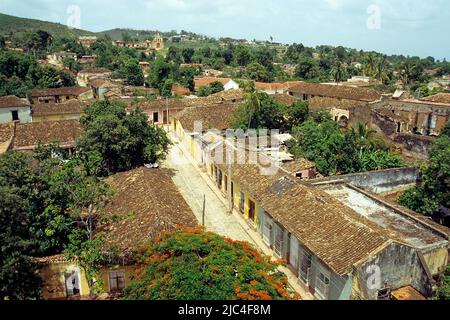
x=420, y=145
x=399, y=266
x=378, y=181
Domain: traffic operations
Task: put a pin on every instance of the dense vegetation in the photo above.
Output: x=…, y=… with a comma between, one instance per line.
x=49, y=200
x=115, y=141
x=20, y=73
x=433, y=189
x=342, y=151
x=198, y=265
x=42, y=196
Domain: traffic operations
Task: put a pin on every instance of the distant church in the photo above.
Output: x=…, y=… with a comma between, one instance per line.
x=156, y=44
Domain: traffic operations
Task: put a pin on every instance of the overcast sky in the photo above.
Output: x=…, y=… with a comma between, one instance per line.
x=409, y=27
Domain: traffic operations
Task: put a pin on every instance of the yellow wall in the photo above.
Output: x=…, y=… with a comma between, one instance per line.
x=56, y=117
x=53, y=278
x=436, y=260
x=104, y=275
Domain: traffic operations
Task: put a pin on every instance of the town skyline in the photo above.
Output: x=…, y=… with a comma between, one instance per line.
x=393, y=29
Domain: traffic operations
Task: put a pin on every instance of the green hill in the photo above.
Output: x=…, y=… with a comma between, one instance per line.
x=15, y=26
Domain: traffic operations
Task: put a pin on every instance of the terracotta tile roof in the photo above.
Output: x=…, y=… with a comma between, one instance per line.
x=180, y=90
x=231, y=96
x=339, y=236
x=6, y=131
x=285, y=99
x=337, y=91
x=6, y=136
x=68, y=107
x=12, y=102
x=29, y=135
x=439, y=98
x=407, y=293
x=59, y=91
x=276, y=86
x=206, y=81
x=317, y=103
x=146, y=202
x=298, y=165
x=217, y=116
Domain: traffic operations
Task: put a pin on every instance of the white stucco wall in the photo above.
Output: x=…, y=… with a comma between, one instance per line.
x=24, y=114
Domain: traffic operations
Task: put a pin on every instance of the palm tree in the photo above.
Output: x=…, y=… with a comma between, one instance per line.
x=381, y=70
x=368, y=137
x=370, y=65
x=252, y=103
x=338, y=72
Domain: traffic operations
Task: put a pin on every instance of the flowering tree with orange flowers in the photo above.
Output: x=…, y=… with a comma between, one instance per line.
x=192, y=264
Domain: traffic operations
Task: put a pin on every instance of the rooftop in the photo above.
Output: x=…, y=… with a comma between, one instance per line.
x=59, y=91
x=439, y=98
x=398, y=226
x=29, y=135
x=218, y=116
x=317, y=103
x=68, y=107
x=13, y=102
x=337, y=91
x=146, y=202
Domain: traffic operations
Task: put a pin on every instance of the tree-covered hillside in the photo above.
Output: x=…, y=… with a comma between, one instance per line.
x=10, y=25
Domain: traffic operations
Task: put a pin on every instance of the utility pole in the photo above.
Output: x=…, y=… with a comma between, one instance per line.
x=230, y=178
x=204, y=210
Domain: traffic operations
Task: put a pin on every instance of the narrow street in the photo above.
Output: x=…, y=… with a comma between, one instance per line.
x=192, y=186
x=195, y=185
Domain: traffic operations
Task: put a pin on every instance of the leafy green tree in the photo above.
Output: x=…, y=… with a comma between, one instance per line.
x=336, y=151
x=257, y=72
x=433, y=189
x=243, y=55
x=338, y=72
x=295, y=115
x=197, y=265
x=307, y=68
x=187, y=54
x=18, y=280
x=133, y=73
x=122, y=141
x=38, y=41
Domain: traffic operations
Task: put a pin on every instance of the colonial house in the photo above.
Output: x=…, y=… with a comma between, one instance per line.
x=145, y=203
x=102, y=86
x=306, y=91
x=276, y=87
x=58, y=57
x=338, y=249
x=87, y=41
x=191, y=123
x=69, y=110
x=84, y=76
x=156, y=44
x=59, y=95
x=228, y=83
x=13, y=108
x=346, y=112
x=160, y=111
x=426, y=117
